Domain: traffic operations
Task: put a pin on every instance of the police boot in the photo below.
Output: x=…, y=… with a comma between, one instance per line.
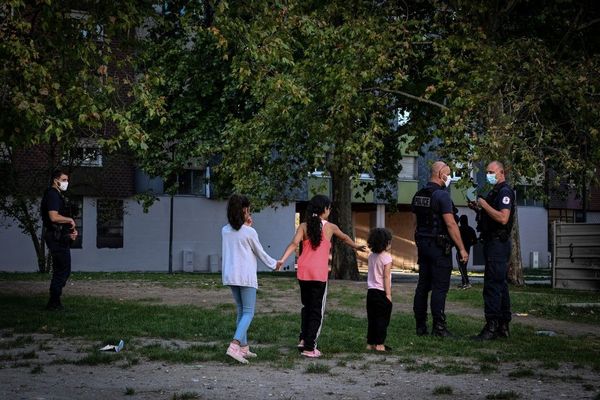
x=503, y=330
x=422, y=330
x=54, y=303
x=489, y=331
x=439, y=328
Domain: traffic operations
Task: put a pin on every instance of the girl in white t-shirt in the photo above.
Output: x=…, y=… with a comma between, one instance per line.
x=241, y=249
x=379, y=294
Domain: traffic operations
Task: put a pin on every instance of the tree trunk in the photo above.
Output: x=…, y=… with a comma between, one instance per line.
x=38, y=243
x=343, y=264
x=515, y=265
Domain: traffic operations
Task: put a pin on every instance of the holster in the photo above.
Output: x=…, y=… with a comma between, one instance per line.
x=445, y=243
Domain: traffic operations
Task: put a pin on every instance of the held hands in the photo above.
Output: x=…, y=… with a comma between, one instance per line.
x=278, y=265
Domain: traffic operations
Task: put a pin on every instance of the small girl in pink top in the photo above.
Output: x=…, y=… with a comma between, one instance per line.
x=313, y=268
x=379, y=294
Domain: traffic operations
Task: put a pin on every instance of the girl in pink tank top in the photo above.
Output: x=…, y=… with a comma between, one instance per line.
x=313, y=268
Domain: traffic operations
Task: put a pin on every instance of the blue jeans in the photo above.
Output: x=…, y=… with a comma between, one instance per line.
x=245, y=299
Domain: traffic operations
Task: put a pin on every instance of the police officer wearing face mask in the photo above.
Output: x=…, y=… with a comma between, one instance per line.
x=58, y=232
x=435, y=235
x=496, y=214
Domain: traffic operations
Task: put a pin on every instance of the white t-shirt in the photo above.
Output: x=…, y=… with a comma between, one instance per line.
x=240, y=250
x=377, y=263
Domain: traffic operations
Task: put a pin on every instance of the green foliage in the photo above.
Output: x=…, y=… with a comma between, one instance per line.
x=520, y=83
x=308, y=70
x=185, y=102
x=317, y=368
x=65, y=77
x=58, y=80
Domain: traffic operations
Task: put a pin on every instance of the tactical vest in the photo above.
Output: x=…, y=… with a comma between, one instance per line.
x=489, y=227
x=429, y=222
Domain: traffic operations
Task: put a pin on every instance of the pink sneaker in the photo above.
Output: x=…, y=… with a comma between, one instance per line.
x=247, y=353
x=312, y=354
x=234, y=351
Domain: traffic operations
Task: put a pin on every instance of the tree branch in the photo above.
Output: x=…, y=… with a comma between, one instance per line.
x=410, y=96
x=588, y=24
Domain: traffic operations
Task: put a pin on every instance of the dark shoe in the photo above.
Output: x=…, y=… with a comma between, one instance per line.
x=503, y=330
x=422, y=330
x=440, y=330
x=489, y=331
x=53, y=306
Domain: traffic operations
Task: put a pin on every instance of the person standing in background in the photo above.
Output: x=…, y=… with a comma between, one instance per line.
x=58, y=231
x=469, y=238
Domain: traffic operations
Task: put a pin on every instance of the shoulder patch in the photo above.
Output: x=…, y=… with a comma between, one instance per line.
x=506, y=200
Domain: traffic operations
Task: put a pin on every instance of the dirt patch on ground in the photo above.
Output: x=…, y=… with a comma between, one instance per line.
x=53, y=373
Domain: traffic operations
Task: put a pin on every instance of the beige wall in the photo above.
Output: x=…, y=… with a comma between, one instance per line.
x=402, y=225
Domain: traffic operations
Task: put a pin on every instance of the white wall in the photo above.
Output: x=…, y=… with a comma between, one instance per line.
x=197, y=226
x=533, y=229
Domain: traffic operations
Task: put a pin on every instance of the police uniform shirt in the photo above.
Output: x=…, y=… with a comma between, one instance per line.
x=52, y=201
x=441, y=203
x=500, y=198
x=505, y=198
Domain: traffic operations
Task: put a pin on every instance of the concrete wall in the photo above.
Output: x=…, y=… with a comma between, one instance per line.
x=197, y=226
x=533, y=228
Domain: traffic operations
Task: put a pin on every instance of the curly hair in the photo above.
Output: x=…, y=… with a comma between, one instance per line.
x=316, y=207
x=235, y=210
x=379, y=239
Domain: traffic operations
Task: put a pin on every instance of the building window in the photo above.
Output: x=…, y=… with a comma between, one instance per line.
x=86, y=154
x=109, y=223
x=409, y=168
x=191, y=182
x=76, y=212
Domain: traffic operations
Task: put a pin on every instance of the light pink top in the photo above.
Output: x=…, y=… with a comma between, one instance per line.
x=313, y=264
x=377, y=263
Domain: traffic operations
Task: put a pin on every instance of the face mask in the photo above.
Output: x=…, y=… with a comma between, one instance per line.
x=448, y=181
x=63, y=186
x=491, y=178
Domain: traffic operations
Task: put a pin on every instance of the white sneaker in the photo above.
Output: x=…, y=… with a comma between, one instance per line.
x=234, y=351
x=247, y=353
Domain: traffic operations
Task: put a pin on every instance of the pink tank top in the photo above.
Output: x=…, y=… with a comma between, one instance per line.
x=313, y=264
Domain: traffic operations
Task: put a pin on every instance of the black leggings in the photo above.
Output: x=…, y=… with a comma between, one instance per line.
x=379, y=311
x=313, y=295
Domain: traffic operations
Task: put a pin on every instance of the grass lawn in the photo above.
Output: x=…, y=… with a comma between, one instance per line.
x=208, y=330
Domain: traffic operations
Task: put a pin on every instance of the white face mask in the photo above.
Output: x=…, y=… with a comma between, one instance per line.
x=63, y=186
x=448, y=181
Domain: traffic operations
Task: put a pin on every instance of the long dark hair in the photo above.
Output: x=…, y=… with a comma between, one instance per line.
x=235, y=210
x=379, y=239
x=316, y=207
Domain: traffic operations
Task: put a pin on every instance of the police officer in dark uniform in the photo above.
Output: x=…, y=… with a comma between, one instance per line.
x=58, y=233
x=436, y=234
x=496, y=214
